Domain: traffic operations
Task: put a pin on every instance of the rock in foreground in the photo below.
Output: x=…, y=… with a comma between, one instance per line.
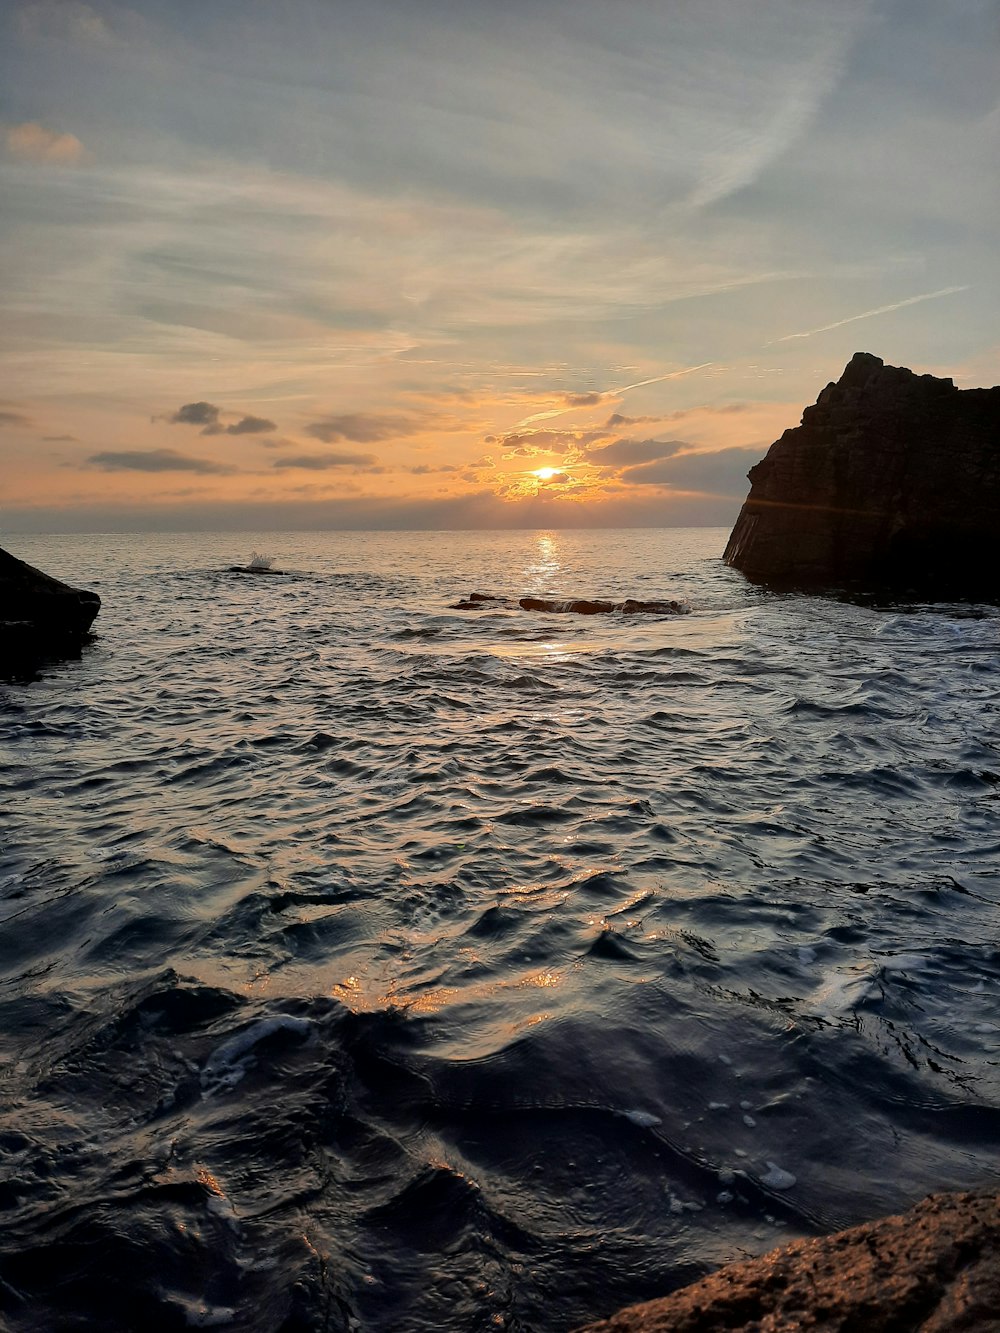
x=892, y=480
x=57, y=611
x=935, y=1268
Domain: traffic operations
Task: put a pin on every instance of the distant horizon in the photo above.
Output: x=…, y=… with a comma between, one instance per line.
x=266, y=532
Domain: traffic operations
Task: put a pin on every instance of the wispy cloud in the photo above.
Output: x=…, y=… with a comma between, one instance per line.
x=363, y=427
x=867, y=314
x=323, y=462
x=13, y=418
x=155, y=460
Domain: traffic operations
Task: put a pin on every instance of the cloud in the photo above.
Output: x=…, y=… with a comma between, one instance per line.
x=363, y=427
x=155, y=460
x=321, y=462
x=624, y=453
x=64, y=19
x=60, y=439
x=525, y=444
x=251, y=426
x=721, y=473
x=590, y=399
x=207, y=415
x=9, y=418
x=32, y=142
x=879, y=310
x=196, y=414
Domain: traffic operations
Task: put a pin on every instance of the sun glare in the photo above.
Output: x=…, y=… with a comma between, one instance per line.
x=545, y=473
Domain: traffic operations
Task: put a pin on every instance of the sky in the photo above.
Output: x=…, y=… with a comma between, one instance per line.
x=452, y=264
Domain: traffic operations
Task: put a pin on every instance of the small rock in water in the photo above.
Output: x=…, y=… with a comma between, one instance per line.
x=777, y=1179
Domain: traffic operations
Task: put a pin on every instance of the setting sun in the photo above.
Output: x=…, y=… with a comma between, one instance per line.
x=545, y=473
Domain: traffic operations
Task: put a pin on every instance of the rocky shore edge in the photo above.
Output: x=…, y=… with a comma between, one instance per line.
x=935, y=1268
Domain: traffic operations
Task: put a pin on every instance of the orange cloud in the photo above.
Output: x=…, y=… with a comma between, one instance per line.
x=32, y=142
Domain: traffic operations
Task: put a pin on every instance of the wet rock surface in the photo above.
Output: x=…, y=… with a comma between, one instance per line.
x=935, y=1268
x=892, y=480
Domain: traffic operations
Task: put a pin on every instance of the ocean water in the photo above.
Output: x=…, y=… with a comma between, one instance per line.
x=370, y=965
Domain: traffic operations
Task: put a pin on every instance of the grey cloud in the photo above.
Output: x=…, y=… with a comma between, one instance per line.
x=721, y=473
x=625, y=453
x=590, y=399
x=14, y=419
x=617, y=422
x=362, y=427
x=60, y=439
x=196, y=414
x=321, y=462
x=207, y=415
x=251, y=426
x=154, y=460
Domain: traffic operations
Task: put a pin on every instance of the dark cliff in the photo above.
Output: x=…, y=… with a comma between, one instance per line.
x=892, y=480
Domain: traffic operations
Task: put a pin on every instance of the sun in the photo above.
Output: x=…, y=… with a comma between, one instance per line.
x=545, y=473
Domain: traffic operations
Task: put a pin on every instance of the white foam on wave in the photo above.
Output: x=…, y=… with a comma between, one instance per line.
x=644, y=1118
x=229, y=1062
x=845, y=988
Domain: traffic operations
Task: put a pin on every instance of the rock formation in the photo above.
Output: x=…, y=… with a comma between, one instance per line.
x=936, y=1268
x=892, y=480
x=39, y=615
x=580, y=606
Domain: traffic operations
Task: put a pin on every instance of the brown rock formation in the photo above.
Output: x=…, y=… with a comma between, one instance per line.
x=935, y=1268
x=892, y=479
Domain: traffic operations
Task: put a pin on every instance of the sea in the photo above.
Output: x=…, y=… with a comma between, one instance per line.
x=368, y=964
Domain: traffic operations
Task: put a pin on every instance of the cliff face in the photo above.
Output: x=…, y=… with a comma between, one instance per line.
x=892, y=479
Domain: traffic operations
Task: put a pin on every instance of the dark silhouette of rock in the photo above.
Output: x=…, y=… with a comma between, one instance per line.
x=481, y=601
x=891, y=480
x=39, y=615
x=263, y=570
x=936, y=1268
x=580, y=606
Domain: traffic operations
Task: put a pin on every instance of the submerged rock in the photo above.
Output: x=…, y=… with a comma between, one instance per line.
x=892, y=480
x=936, y=1268
x=39, y=615
x=580, y=606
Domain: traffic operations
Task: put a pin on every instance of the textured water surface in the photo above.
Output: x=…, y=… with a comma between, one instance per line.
x=371, y=965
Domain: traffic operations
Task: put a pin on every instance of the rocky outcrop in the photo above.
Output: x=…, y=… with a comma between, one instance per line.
x=579, y=606
x=936, y=1268
x=892, y=479
x=39, y=615
x=256, y=569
